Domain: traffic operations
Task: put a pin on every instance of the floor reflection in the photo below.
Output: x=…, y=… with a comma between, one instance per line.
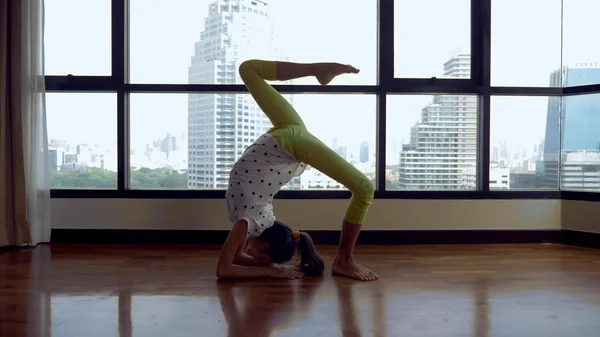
x=146, y=292
x=92, y=315
x=253, y=312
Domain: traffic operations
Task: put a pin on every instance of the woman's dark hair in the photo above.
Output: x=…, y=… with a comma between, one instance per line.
x=282, y=246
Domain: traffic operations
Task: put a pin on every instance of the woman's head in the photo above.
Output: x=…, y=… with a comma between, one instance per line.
x=280, y=243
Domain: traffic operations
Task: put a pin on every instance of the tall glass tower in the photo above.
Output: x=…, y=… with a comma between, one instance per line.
x=574, y=123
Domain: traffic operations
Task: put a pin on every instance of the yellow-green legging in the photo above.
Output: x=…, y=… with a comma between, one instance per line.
x=289, y=129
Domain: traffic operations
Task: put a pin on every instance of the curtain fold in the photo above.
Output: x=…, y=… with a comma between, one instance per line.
x=35, y=136
x=24, y=167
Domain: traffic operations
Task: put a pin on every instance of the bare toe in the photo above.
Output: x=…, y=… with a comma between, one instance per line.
x=353, y=271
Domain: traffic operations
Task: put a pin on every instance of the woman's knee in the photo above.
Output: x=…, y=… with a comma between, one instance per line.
x=362, y=196
x=364, y=190
x=246, y=67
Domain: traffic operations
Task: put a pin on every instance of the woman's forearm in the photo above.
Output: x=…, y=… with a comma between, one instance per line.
x=247, y=260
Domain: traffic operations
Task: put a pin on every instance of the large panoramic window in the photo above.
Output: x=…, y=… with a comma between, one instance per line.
x=145, y=99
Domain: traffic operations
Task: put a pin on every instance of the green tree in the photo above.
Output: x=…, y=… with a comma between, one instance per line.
x=161, y=178
x=144, y=178
x=93, y=178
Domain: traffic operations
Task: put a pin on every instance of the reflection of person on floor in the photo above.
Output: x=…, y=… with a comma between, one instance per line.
x=347, y=317
x=261, y=310
x=258, y=244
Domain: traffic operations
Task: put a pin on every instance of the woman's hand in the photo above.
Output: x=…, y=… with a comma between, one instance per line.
x=285, y=271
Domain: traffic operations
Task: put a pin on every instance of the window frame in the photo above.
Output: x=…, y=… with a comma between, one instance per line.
x=478, y=84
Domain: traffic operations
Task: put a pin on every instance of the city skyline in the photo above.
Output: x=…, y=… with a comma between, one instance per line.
x=522, y=154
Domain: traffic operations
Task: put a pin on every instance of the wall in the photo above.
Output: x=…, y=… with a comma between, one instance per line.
x=581, y=215
x=310, y=214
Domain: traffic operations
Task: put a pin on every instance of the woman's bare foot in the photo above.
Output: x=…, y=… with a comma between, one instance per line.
x=328, y=71
x=352, y=270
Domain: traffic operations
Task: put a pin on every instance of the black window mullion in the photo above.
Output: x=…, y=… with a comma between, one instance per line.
x=482, y=21
x=118, y=55
x=477, y=18
x=385, y=72
x=385, y=32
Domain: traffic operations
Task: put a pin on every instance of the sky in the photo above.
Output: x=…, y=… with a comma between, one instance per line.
x=526, y=48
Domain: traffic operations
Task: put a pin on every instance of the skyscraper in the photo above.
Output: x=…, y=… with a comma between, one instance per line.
x=443, y=142
x=53, y=159
x=364, y=152
x=572, y=126
x=340, y=150
x=221, y=126
x=495, y=154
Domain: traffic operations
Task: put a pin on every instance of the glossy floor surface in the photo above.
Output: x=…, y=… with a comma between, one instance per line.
x=476, y=290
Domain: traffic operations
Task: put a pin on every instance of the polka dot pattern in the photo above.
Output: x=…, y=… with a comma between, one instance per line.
x=257, y=176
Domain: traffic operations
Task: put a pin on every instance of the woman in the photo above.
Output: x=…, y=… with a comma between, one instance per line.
x=257, y=243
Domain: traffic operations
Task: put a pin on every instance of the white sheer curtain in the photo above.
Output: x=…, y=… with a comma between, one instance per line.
x=35, y=136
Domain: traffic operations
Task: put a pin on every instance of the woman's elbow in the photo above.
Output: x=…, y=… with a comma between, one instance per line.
x=223, y=267
x=222, y=272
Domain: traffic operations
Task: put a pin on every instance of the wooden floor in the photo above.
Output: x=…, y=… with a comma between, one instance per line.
x=474, y=290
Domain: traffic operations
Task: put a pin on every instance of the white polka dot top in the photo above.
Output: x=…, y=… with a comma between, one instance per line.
x=255, y=178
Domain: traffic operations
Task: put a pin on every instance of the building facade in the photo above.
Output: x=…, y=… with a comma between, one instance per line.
x=572, y=138
x=444, y=142
x=221, y=126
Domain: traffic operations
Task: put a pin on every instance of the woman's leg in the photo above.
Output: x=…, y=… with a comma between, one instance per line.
x=310, y=150
x=276, y=107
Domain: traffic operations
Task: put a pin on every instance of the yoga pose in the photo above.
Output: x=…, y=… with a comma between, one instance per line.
x=258, y=244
